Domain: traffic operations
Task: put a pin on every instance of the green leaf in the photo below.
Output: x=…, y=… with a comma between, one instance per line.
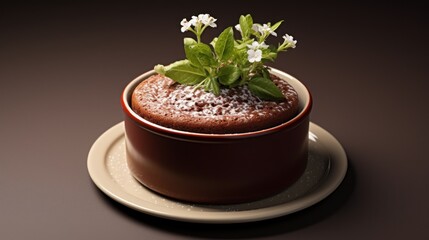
x=228, y=75
x=184, y=73
x=246, y=23
x=242, y=45
x=213, y=42
x=265, y=73
x=212, y=85
x=199, y=54
x=270, y=56
x=244, y=75
x=265, y=89
x=270, y=53
x=204, y=54
x=224, y=46
x=159, y=69
x=276, y=25
x=187, y=43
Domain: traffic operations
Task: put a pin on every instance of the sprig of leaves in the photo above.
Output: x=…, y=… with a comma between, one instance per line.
x=228, y=62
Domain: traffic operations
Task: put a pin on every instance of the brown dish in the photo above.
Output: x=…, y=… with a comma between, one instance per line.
x=219, y=168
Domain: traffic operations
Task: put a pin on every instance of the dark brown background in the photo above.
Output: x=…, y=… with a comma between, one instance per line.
x=63, y=67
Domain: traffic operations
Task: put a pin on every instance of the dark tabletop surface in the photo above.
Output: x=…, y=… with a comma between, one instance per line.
x=63, y=67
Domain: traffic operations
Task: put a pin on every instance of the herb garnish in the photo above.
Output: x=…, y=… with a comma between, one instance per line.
x=227, y=62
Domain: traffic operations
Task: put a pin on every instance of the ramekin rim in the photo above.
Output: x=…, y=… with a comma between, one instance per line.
x=156, y=128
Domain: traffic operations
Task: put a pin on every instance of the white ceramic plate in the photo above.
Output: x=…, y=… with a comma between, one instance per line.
x=326, y=168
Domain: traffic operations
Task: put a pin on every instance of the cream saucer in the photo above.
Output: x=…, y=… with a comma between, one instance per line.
x=326, y=168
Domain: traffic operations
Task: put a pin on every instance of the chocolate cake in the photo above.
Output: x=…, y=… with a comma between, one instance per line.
x=160, y=100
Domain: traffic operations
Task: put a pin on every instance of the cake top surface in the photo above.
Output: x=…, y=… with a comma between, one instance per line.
x=162, y=95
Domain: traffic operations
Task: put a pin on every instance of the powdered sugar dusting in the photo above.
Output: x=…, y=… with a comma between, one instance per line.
x=179, y=100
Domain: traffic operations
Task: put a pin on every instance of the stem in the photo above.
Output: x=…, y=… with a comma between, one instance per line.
x=199, y=30
x=252, y=67
x=283, y=46
x=195, y=32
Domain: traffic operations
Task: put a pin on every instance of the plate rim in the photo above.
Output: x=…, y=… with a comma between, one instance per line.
x=99, y=174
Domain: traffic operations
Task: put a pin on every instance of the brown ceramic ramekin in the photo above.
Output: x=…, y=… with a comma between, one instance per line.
x=217, y=168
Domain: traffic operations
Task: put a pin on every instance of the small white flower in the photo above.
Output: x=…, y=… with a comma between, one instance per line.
x=255, y=27
x=238, y=28
x=207, y=20
x=254, y=53
x=264, y=29
x=185, y=25
x=289, y=40
x=254, y=56
x=204, y=19
x=195, y=20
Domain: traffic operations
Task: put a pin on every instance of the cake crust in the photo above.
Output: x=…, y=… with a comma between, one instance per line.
x=162, y=101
